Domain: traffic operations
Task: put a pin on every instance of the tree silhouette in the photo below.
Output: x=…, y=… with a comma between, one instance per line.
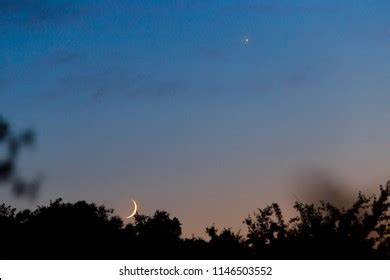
x=84, y=230
x=323, y=231
x=157, y=236
x=226, y=245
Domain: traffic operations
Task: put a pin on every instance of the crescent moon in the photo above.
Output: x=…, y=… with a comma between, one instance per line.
x=134, y=211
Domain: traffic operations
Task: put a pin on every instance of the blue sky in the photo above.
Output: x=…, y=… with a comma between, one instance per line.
x=165, y=102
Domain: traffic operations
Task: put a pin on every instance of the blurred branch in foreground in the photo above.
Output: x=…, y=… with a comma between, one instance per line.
x=12, y=143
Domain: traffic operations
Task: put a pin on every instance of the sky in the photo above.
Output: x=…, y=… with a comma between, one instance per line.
x=206, y=109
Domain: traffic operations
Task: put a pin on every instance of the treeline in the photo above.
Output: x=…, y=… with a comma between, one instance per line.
x=86, y=231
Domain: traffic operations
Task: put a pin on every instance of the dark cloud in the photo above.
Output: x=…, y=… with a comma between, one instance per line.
x=307, y=74
x=291, y=7
x=32, y=12
x=114, y=83
x=65, y=56
x=313, y=74
x=213, y=53
x=43, y=66
x=138, y=85
x=297, y=79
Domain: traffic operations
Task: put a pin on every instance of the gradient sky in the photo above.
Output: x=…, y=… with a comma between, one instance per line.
x=165, y=102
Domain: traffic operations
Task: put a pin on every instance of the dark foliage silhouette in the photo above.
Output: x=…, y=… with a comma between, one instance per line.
x=158, y=235
x=84, y=230
x=361, y=231
x=227, y=244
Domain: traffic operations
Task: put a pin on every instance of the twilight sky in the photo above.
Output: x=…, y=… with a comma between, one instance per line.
x=165, y=101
